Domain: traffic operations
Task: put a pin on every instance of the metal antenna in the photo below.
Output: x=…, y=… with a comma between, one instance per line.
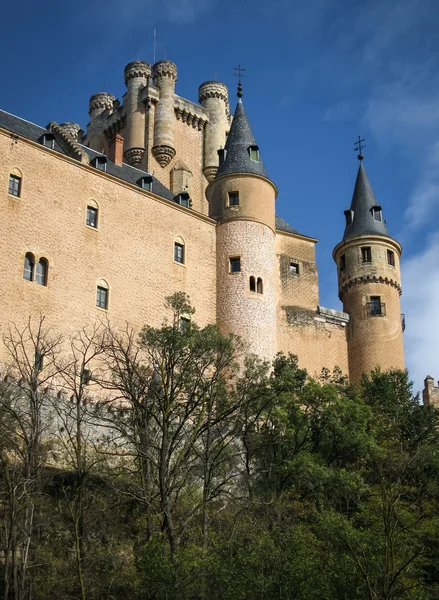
x=239, y=74
x=358, y=147
x=155, y=42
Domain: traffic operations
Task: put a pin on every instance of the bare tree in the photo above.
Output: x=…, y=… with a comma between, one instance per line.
x=24, y=417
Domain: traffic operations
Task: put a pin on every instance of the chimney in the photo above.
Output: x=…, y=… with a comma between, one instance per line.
x=116, y=149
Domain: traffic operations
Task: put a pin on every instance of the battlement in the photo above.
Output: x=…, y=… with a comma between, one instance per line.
x=430, y=393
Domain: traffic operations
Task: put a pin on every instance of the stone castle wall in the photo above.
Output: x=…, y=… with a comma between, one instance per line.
x=132, y=249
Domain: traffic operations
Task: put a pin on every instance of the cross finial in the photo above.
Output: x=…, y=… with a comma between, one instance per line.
x=240, y=75
x=358, y=147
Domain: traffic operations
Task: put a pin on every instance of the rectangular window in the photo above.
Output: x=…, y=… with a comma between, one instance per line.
x=179, y=253
x=102, y=297
x=366, y=254
x=377, y=214
x=254, y=153
x=294, y=268
x=38, y=361
x=233, y=199
x=375, y=306
x=342, y=263
x=235, y=264
x=92, y=216
x=391, y=258
x=14, y=186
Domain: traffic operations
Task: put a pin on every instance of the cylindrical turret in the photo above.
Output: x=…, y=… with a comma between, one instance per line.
x=99, y=103
x=242, y=199
x=213, y=96
x=165, y=77
x=73, y=130
x=369, y=285
x=136, y=76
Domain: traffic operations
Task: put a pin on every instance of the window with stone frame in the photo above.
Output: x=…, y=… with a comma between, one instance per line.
x=366, y=254
x=179, y=253
x=233, y=198
x=390, y=258
x=14, y=188
x=235, y=264
x=92, y=216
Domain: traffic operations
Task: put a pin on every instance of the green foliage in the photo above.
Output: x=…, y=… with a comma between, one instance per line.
x=205, y=474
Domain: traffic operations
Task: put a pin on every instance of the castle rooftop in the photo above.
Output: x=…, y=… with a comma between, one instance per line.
x=365, y=215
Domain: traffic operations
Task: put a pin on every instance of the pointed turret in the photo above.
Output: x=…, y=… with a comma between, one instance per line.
x=241, y=198
x=369, y=284
x=365, y=215
x=241, y=154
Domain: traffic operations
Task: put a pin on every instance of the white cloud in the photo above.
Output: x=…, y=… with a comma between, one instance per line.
x=420, y=276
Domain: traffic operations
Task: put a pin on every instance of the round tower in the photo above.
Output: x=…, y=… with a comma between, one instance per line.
x=369, y=284
x=242, y=200
x=213, y=96
x=165, y=78
x=136, y=76
x=99, y=103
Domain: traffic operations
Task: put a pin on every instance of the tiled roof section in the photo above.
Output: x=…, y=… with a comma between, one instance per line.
x=239, y=140
x=363, y=201
x=124, y=172
x=24, y=128
x=282, y=225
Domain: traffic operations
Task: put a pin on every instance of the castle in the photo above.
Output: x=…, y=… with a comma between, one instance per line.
x=161, y=194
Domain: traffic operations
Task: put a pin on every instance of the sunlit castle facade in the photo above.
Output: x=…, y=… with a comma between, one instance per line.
x=161, y=194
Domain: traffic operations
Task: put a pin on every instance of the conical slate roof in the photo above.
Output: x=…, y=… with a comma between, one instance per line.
x=239, y=140
x=365, y=219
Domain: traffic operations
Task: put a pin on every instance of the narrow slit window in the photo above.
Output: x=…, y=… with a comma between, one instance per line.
x=233, y=198
x=29, y=264
x=41, y=271
x=252, y=284
x=294, y=268
x=259, y=286
x=366, y=254
x=235, y=264
x=38, y=361
x=391, y=258
x=342, y=262
x=14, y=186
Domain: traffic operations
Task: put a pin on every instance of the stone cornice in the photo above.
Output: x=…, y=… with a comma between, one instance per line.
x=190, y=113
x=366, y=240
x=369, y=279
x=300, y=236
x=67, y=143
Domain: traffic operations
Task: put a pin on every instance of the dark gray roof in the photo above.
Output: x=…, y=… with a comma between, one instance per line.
x=239, y=140
x=363, y=201
x=282, y=225
x=24, y=128
x=124, y=172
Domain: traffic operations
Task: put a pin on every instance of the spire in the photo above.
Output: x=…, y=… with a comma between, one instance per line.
x=365, y=215
x=241, y=154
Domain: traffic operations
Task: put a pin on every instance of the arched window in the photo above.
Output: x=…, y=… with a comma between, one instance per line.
x=102, y=294
x=259, y=286
x=29, y=264
x=252, y=284
x=41, y=271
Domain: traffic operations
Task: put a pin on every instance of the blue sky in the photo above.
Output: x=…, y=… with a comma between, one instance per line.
x=318, y=73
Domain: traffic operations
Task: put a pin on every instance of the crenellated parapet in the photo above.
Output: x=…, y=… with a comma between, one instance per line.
x=138, y=69
x=100, y=102
x=73, y=130
x=164, y=68
x=190, y=113
x=67, y=142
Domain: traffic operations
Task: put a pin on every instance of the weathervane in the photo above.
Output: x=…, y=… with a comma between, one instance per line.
x=358, y=147
x=240, y=75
